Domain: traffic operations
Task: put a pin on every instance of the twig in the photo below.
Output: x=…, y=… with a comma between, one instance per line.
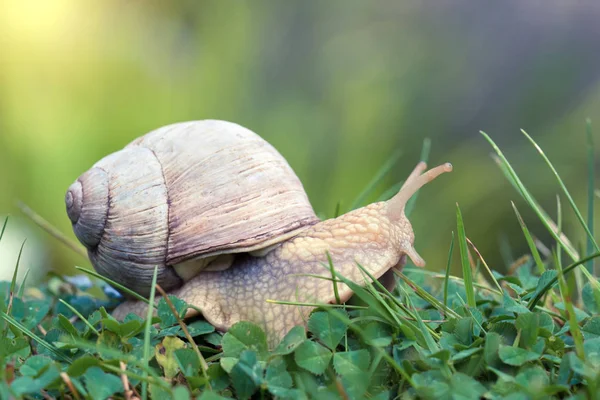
x=68, y=382
x=542, y=248
x=340, y=389
x=41, y=329
x=127, y=390
x=50, y=229
x=483, y=281
x=9, y=372
x=203, y=364
x=512, y=269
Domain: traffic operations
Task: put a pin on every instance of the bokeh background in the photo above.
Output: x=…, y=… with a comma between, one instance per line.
x=338, y=87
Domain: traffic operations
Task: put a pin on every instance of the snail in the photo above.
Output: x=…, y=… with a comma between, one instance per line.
x=227, y=221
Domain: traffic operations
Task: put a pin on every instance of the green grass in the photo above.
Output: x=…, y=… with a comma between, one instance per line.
x=533, y=333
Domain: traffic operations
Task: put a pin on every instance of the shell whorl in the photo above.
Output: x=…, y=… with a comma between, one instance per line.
x=87, y=206
x=73, y=200
x=135, y=235
x=187, y=191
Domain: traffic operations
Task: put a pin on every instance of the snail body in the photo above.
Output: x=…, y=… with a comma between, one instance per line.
x=232, y=228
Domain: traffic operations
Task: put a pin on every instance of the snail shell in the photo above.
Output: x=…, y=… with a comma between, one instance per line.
x=181, y=195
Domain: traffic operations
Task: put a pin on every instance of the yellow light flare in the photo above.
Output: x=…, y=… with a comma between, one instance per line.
x=37, y=20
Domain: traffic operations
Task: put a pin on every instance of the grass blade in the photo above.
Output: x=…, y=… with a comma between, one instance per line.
x=374, y=300
x=558, y=255
x=52, y=230
x=144, y=378
x=334, y=281
x=359, y=332
x=546, y=220
x=573, y=325
x=94, y=347
x=13, y=283
x=81, y=317
x=590, y=199
x=530, y=242
x=321, y=305
x=533, y=302
x=383, y=171
x=432, y=345
x=338, y=209
x=363, y=294
x=559, y=224
x=460, y=281
x=447, y=276
x=22, y=286
x=542, y=215
x=146, y=356
x=370, y=287
x=36, y=338
x=425, y=295
x=3, y=228
x=464, y=258
x=116, y=285
x=425, y=150
x=565, y=191
x=468, y=310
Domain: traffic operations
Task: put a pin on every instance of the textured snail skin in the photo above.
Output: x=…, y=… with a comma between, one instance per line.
x=376, y=237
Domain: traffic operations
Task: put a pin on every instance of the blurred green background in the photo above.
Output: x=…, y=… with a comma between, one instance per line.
x=336, y=86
